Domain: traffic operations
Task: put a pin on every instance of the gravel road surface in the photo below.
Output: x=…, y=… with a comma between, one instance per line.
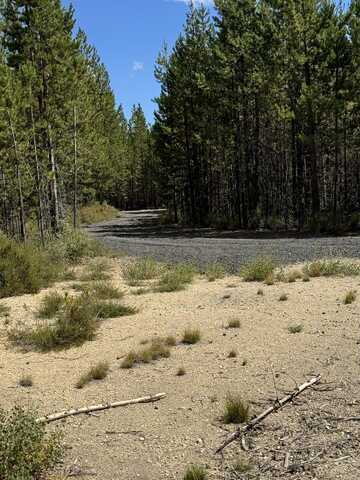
x=139, y=233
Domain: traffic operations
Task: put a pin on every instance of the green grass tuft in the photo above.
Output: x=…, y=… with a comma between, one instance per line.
x=215, y=271
x=258, y=270
x=195, y=472
x=158, y=348
x=295, y=328
x=97, y=270
x=191, y=336
x=26, y=381
x=176, y=278
x=51, y=305
x=236, y=410
x=329, y=268
x=234, y=323
x=105, y=310
x=350, y=297
x=96, y=372
x=141, y=270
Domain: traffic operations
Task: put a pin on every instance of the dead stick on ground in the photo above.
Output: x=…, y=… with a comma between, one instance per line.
x=95, y=408
x=277, y=406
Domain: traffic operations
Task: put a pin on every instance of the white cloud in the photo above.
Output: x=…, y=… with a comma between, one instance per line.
x=138, y=66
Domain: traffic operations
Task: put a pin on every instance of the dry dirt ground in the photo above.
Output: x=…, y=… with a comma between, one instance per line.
x=158, y=441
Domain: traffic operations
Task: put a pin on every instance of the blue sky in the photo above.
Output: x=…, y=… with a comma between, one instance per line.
x=128, y=35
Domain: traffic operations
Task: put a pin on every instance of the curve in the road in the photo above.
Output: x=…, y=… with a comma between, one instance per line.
x=139, y=233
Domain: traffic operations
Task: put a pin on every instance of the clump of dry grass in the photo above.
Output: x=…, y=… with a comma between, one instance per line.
x=181, y=372
x=293, y=276
x=97, y=270
x=141, y=270
x=283, y=297
x=96, y=372
x=269, y=280
x=51, y=305
x=236, y=410
x=75, y=324
x=328, y=268
x=195, y=472
x=4, y=310
x=232, y=354
x=215, y=271
x=258, y=270
x=191, y=336
x=26, y=381
x=97, y=212
x=234, y=323
x=241, y=467
x=350, y=297
x=176, y=278
x=157, y=349
x=101, y=290
x=295, y=328
x=105, y=309
x=260, y=292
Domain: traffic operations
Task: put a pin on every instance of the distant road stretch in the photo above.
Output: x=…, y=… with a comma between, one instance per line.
x=139, y=233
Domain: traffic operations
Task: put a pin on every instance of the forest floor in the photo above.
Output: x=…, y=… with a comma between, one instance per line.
x=160, y=440
x=139, y=233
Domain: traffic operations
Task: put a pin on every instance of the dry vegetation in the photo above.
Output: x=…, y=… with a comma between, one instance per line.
x=157, y=341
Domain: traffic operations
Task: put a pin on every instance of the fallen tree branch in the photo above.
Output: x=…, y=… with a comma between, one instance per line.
x=277, y=406
x=95, y=408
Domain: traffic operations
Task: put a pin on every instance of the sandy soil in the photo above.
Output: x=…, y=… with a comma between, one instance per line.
x=160, y=440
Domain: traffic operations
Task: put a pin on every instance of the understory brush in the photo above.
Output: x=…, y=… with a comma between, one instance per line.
x=97, y=212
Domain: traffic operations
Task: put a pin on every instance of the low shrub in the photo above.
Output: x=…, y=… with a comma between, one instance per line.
x=97, y=212
x=51, y=305
x=74, y=245
x=258, y=270
x=97, y=270
x=101, y=290
x=236, y=410
x=27, y=452
x=328, y=268
x=175, y=278
x=140, y=270
x=215, y=271
x=25, y=268
x=104, y=310
x=75, y=324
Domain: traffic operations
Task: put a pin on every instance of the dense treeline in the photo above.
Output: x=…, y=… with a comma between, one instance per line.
x=63, y=141
x=258, y=117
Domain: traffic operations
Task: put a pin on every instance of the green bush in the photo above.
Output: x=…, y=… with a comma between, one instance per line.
x=27, y=452
x=191, y=336
x=74, y=245
x=96, y=270
x=75, y=324
x=25, y=268
x=140, y=270
x=97, y=212
x=105, y=310
x=258, y=270
x=51, y=305
x=175, y=278
x=329, y=268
